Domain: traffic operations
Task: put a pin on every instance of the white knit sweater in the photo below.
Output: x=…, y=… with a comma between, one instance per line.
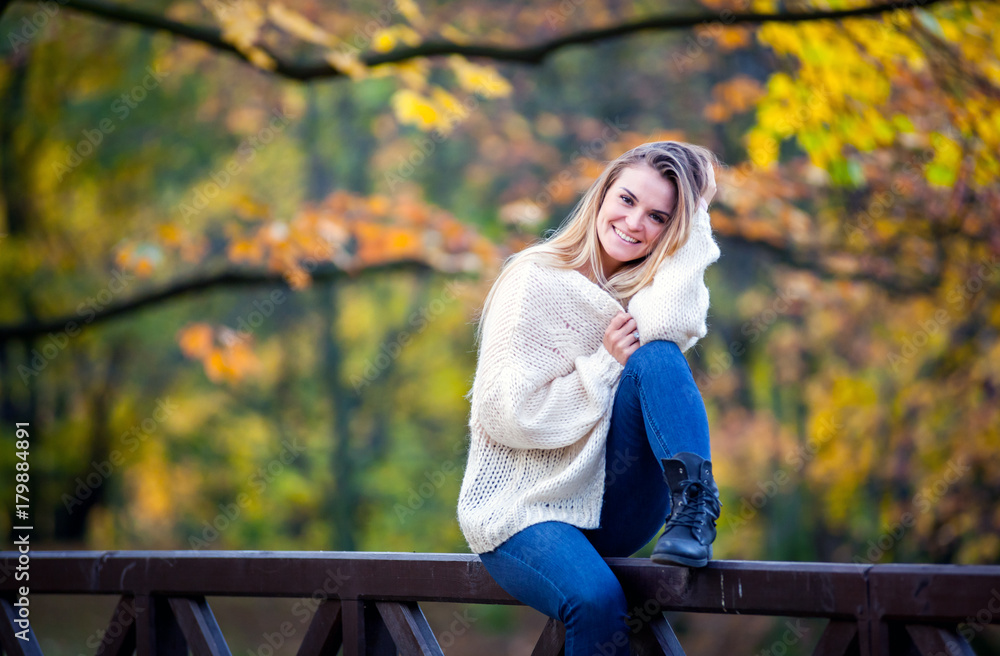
x=545, y=385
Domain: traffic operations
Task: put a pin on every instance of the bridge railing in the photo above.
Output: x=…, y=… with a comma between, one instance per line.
x=368, y=603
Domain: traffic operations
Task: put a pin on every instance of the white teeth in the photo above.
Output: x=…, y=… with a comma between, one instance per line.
x=624, y=236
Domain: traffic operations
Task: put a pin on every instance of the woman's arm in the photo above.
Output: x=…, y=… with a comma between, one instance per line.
x=675, y=306
x=525, y=394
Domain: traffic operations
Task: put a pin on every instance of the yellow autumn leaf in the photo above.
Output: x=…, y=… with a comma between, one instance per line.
x=170, y=234
x=413, y=73
x=298, y=25
x=762, y=148
x=348, y=63
x=241, y=21
x=383, y=41
x=261, y=59
x=475, y=78
x=453, y=109
x=411, y=11
x=454, y=34
x=412, y=108
x=245, y=251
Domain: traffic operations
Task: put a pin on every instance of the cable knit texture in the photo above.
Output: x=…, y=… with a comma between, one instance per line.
x=545, y=385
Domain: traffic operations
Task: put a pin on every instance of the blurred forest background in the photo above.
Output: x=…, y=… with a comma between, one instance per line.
x=243, y=243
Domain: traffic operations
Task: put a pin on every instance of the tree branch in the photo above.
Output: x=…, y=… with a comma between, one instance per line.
x=812, y=262
x=524, y=55
x=72, y=323
x=82, y=320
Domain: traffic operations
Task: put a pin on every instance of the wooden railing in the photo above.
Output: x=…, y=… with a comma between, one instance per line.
x=368, y=603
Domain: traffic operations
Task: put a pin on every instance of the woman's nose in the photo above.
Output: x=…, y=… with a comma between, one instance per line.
x=633, y=221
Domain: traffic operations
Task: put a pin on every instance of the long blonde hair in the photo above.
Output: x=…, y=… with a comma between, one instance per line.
x=575, y=241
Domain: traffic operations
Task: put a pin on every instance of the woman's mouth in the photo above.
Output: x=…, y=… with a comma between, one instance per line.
x=625, y=238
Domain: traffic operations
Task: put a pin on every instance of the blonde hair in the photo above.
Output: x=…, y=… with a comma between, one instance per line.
x=575, y=241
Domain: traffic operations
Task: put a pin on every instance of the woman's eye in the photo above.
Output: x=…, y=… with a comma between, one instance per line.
x=627, y=200
x=657, y=218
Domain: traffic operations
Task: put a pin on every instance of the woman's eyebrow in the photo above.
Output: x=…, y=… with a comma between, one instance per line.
x=636, y=198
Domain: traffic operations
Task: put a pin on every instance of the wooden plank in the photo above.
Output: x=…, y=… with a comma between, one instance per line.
x=934, y=640
x=840, y=638
x=198, y=624
x=409, y=628
x=156, y=631
x=749, y=588
x=365, y=633
x=326, y=631
x=656, y=638
x=119, y=636
x=769, y=588
x=10, y=642
x=879, y=599
x=552, y=642
x=345, y=575
x=942, y=594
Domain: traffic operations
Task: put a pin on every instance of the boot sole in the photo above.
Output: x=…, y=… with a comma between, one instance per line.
x=667, y=559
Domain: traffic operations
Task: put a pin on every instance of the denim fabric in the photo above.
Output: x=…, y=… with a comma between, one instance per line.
x=559, y=569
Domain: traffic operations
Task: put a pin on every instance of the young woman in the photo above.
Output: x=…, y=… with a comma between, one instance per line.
x=586, y=425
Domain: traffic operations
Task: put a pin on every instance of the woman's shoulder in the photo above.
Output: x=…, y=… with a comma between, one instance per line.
x=536, y=284
x=530, y=273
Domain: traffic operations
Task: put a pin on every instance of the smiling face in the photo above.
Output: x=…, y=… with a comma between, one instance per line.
x=634, y=214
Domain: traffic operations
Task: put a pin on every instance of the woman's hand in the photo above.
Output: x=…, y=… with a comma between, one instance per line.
x=620, y=339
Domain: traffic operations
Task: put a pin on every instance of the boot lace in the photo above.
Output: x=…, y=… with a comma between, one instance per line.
x=697, y=502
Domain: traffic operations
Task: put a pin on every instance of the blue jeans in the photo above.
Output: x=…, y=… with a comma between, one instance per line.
x=559, y=569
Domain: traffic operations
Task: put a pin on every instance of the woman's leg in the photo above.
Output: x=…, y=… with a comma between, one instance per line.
x=658, y=412
x=554, y=569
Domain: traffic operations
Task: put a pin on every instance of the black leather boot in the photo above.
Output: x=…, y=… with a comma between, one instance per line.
x=690, y=529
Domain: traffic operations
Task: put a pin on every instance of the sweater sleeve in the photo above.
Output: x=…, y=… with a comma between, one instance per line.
x=526, y=394
x=675, y=306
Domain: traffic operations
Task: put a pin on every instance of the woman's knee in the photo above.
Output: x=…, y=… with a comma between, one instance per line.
x=657, y=355
x=597, y=598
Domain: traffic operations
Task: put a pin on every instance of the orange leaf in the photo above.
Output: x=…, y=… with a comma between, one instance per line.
x=196, y=340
